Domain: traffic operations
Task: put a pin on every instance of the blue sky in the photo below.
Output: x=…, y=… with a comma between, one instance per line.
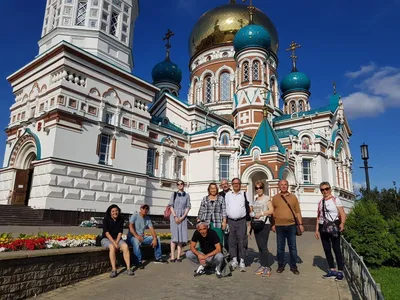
x=354, y=43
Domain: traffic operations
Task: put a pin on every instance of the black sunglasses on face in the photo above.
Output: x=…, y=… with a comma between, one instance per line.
x=258, y=188
x=325, y=189
x=179, y=183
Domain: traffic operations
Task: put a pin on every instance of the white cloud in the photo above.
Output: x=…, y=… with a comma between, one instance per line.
x=357, y=186
x=363, y=71
x=378, y=91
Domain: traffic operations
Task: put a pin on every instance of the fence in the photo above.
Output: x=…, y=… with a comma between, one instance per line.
x=359, y=274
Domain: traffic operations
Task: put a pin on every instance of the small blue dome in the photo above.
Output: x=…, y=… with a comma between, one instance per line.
x=166, y=71
x=295, y=81
x=252, y=36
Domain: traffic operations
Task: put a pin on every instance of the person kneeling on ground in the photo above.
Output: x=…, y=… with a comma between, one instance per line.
x=137, y=225
x=210, y=246
x=113, y=226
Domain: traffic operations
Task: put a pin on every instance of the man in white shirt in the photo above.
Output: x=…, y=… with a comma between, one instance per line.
x=236, y=214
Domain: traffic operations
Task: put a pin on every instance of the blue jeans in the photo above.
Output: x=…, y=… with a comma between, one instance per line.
x=137, y=257
x=289, y=233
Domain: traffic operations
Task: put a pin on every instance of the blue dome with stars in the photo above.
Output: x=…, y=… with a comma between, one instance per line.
x=167, y=71
x=252, y=36
x=295, y=81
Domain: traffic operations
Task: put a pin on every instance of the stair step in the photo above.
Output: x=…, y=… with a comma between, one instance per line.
x=23, y=216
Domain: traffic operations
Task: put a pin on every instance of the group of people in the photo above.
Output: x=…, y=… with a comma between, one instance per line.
x=225, y=220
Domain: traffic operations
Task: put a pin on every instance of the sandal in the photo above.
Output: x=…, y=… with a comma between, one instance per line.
x=172, y=260
x=179, y=259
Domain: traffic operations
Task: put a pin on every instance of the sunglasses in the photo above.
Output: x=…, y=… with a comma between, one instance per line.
x=325, y=189
x=258, y=188
x=179, y=183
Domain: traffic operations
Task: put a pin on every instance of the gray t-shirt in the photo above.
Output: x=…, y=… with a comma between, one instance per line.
x=140, y=223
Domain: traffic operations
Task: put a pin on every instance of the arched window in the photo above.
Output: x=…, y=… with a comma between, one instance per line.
x=256, y=70
x=224, y=87
x=273, y=90
x=246, y=72
x=208, y=89
x=224, y=139
x=292, y=107
x=196, y=92
x=301, y=105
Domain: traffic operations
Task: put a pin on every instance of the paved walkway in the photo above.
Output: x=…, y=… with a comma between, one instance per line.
x=175, y=281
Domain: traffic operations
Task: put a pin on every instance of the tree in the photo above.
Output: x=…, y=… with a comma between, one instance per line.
x=394, y=231
x=367, y=231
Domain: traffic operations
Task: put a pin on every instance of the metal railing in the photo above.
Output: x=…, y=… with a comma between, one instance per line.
x=359, y=274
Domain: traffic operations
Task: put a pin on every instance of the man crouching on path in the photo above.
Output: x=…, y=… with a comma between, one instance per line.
x=210, y=254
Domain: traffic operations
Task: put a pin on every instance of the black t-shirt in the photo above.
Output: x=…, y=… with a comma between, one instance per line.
x=113, y=227
x=207, y=244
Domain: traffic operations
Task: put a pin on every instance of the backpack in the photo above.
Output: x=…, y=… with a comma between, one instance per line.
x=167, y=211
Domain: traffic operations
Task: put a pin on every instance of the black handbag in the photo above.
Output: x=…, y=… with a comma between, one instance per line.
x=257, y=225
x=98, y=240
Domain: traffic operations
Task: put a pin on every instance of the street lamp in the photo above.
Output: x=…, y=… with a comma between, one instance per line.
x=365, y=157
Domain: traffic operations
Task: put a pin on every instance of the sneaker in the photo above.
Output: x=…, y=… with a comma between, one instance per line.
x=242, y=266
x=295, y=271
x=267, y=272
x=218, y=273
x=161, y=261
x=234, y=264
x=113, y=274
x=130, y=272
x=139, y=265
x=280, y=269
x=331, y=274
x=259, y=271
x=200, y=271
x=339, y=276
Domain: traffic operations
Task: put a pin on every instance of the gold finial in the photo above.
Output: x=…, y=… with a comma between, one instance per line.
x=293, y=46
x=334, y=87
x=251, y=10
x=168, y=35
x=265, y=111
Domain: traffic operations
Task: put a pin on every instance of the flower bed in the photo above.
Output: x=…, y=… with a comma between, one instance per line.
x=47, y=241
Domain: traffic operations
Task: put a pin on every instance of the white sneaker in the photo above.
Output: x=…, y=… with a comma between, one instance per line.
x=242, y=266
x=234, y=264
x=218, y=273
x=199, y=271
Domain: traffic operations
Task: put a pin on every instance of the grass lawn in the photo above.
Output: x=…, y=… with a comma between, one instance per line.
x=389, y=279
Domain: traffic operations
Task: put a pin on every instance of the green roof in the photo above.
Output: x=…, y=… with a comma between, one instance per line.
x=265, y=138
x=284, y=133
x=206, y=130
x=165, y=123
x=330, y=108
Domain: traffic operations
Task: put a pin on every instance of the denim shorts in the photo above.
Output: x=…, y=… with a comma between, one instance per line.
x=105, y=243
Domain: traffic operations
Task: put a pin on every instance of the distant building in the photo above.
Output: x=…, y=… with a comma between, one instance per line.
x=84, y=132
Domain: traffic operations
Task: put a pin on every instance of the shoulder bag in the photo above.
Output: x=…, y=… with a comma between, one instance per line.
x=298, y=230
x=329, y=227
x=167, y=211
x=256, y=225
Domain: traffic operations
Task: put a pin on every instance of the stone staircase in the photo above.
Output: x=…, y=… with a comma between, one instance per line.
x=22, y=216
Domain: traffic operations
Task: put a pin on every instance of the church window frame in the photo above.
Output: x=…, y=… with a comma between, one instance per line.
x=150, y=164
x=104, y=146
x=256, y=70
x=224, y=167
x=208, y=89
x=292, y=106
x=246, y=75
x=301, y=106
x=306, y=168
x=225, y=86
x=81, y=13
x=224, y=139
x=114, y=23
x=273, y=89
x=178, y=167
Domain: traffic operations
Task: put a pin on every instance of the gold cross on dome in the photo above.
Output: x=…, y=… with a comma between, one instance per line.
x=334, y=87
x=292, y=47
x=167, y=37
x=251, y=10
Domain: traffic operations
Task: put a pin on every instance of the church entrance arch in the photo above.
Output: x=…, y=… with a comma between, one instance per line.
x=25, y=152
x=256, y=173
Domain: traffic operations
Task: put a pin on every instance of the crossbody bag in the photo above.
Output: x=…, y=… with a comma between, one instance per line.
x=329, y=227
x=296, y=221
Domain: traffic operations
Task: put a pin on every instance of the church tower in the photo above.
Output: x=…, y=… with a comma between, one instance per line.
x=101, y=27
x=252, y=46
x=295, y=87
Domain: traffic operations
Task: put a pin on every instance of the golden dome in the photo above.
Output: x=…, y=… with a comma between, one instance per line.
x=218, y=27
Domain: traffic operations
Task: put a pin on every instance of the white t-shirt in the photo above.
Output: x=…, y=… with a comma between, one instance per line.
x=259, y=206
x=235, y=205
x=331, y=211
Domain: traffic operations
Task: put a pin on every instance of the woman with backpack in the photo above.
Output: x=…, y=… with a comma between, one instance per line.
x=213, y=211
x=179, y=205
x=330, y=223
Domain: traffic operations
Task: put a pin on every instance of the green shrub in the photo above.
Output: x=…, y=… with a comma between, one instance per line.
x=394, y=231
x=367, y=231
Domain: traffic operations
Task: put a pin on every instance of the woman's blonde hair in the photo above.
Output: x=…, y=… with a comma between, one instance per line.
x=260, y=184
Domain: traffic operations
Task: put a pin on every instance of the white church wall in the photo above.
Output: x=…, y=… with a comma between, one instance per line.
x=6, y=184
x=202, y=167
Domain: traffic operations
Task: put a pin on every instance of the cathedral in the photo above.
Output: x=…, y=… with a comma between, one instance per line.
x=84, y=132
